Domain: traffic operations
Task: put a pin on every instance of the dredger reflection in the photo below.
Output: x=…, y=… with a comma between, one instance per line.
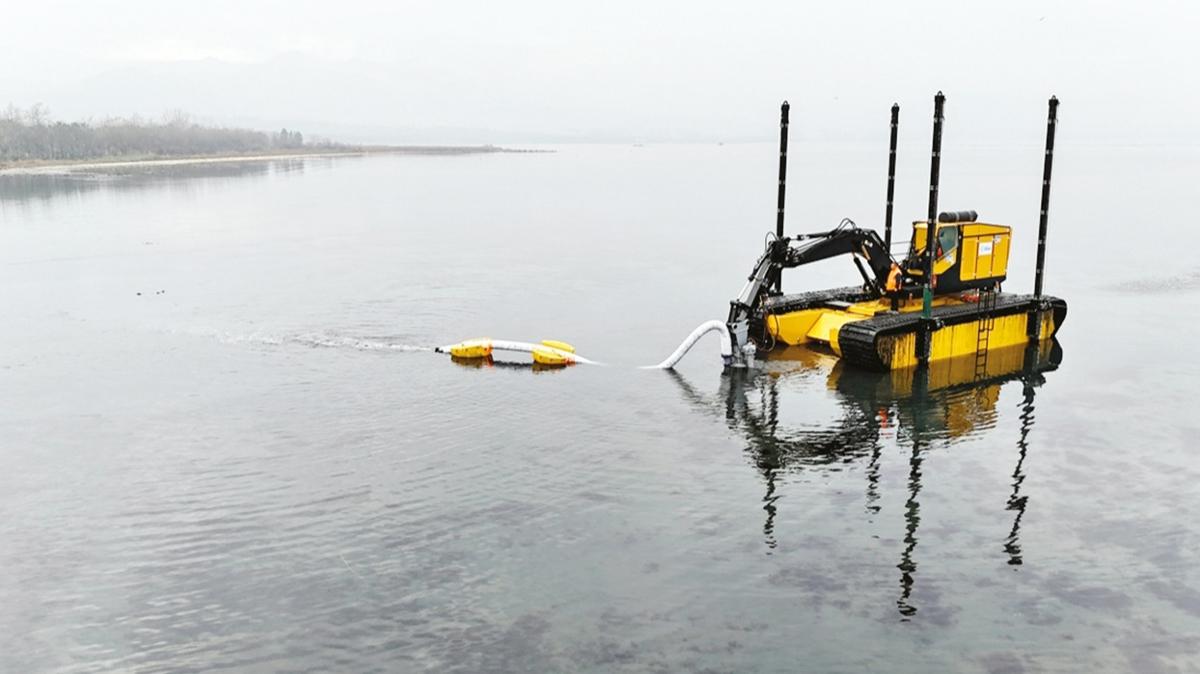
x=941, y=403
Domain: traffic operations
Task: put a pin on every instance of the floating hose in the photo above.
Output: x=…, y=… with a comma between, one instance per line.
x=560, y=353
x=556, y=353
x=687, y=344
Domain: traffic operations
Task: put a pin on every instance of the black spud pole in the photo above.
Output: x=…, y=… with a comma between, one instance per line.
x=925, y=338
x=891, y=185
x=783, y=145
x=1051, y=123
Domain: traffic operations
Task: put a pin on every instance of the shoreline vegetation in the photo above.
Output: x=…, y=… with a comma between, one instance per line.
x=30, y=142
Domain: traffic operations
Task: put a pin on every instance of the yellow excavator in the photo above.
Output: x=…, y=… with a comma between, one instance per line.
x=938, y=302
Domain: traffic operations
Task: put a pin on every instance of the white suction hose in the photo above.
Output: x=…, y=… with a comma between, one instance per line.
x=690, y=341
x=526, y=347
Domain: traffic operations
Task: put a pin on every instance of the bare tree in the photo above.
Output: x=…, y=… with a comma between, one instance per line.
x=31, y=134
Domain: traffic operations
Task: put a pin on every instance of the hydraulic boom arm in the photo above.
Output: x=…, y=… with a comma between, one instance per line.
x=788, y=252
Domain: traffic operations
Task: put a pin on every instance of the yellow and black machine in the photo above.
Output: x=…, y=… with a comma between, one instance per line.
x=942, y=300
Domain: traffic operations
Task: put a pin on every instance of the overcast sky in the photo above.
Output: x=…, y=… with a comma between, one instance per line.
x=620, y=71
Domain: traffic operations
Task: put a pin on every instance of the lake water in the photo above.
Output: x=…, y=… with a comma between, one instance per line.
x=227, y=447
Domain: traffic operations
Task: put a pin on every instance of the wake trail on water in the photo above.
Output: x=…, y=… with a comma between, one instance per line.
x=1183, y=282
x=318, y=341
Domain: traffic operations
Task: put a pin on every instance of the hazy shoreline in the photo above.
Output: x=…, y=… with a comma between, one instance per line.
x=52, y=166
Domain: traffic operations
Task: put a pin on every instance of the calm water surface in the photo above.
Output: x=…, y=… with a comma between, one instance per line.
x=225, y=446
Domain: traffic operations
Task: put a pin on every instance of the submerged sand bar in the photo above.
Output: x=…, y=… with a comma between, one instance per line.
x=51, y=167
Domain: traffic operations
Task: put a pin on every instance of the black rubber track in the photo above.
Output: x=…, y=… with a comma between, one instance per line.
x=859, y=340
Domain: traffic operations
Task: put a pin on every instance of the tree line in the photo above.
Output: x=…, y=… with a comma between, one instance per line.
x=32, y=135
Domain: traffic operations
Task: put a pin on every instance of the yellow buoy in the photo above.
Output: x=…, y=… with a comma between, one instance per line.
x=551, y=356
x=561, y=346
x=472, y=348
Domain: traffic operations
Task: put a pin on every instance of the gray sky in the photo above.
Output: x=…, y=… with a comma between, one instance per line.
x=621, y=71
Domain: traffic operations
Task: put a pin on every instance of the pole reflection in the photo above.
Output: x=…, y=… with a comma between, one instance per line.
x=1016, y=502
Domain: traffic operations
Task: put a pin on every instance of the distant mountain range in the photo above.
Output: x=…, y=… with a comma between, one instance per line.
x=349, y=101
x=362, y=101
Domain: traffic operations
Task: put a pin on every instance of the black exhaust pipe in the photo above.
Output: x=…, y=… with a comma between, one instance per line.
x=957, y=216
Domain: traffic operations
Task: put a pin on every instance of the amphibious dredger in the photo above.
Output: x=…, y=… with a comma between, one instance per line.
x=942, y=300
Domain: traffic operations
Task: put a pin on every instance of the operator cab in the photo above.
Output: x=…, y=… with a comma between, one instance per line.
x=968, y=254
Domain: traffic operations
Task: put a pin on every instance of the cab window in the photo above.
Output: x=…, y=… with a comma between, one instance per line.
x=947, y=238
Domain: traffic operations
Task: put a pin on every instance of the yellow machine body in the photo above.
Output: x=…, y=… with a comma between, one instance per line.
x=966, y=334
x=821, y=324
x=962, y=339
